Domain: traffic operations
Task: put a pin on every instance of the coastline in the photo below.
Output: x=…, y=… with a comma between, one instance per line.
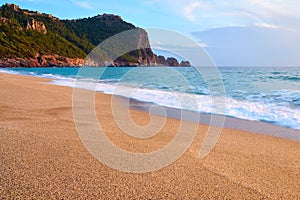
x=257, y=127
x=42, y=155
x=254, y=126
x=54, y=60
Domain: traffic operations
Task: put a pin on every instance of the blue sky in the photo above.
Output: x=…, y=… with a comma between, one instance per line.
x=266, y=22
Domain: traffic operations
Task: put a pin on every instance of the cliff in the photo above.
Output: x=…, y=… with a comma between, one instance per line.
x=42, y=61
x=37, y=26
x=33, y=39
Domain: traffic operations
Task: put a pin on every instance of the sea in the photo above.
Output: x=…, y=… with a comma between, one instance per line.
x=266, y=94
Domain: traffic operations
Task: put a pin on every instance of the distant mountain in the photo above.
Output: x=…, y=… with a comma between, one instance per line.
x=33, y=39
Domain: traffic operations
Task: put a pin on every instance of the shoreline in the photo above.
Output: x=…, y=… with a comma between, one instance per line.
x=257, y=127
x=42, y=155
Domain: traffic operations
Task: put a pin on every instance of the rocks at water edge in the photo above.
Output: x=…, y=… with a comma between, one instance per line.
x=41, y=61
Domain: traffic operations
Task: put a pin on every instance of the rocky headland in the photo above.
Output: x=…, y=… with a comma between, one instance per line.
x=34, y=39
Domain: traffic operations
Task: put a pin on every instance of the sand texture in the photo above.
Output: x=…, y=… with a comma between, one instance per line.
x=42, y=157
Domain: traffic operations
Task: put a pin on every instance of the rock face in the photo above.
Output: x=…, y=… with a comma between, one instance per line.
x=4, y=20
x=42, y=61
x=10, y=23
x=14, y=7
x=141, y=55
x=32, y=24
x=161, y=60
x=172, y=62
x=185, y=64
x=109, y=17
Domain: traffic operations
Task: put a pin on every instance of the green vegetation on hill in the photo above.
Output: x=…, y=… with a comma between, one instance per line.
x=98, y=28
x=27, y=34
x=33, y=39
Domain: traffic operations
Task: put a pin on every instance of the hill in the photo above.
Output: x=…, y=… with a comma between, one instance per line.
x=33, y=39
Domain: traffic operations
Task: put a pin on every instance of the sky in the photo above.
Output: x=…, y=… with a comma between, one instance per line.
x=248, y=32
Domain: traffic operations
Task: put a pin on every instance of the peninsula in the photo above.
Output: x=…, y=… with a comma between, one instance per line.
x=34, y=39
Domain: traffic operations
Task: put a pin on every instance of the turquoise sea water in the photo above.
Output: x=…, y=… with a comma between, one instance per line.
x=269, y=94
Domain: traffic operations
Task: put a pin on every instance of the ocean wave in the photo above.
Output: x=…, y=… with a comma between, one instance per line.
x=285, y=78
x=281, y=107
x=256, y=111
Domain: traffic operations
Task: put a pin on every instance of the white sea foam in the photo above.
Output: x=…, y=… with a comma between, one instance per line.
x=8, y=71
x=257, y=107
x=256, y=111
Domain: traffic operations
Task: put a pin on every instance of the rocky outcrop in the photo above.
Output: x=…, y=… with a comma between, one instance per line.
x=172, y=62
x=109, y=17
x=145, y=57
x=41, y=61
x=32, y=24
x=161, y=60
x=141, y=56
x=15, y=7
x=10, y=23
x=4, y=20
x=185, y=64
x=60, y=61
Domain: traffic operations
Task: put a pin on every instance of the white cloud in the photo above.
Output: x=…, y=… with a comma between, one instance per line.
x=202, y=44
x=264, y=25
x=280, y=13
x=189, y=9
x=83, y=4
x=210, y=13
x=271, y=8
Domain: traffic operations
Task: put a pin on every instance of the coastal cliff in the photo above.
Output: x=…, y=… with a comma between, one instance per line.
x=33, y=39
x=42, y=61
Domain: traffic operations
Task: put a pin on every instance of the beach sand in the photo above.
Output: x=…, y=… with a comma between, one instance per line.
x=42, y=157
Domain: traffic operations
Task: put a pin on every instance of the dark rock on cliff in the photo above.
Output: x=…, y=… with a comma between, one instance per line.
x=41, y=61
x=161, y=60
x=172, y=62
x=185, y=64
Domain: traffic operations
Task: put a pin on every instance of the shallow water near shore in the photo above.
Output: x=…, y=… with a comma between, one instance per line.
x=205, y=118
x=269, y=94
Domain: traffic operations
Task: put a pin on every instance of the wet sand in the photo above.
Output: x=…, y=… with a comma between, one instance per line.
x=42, y=157
x=229, y=122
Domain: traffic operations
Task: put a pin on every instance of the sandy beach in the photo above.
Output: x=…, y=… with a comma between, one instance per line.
x=42, y=156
